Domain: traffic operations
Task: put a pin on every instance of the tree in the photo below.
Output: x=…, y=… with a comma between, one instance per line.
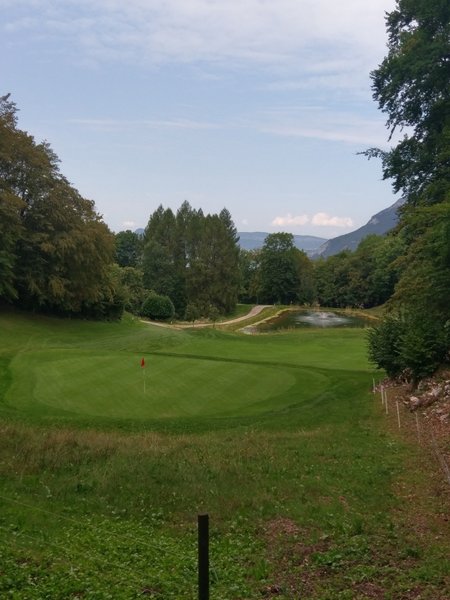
x=214, y=315
x=134, y=290
x=158, y=264
x=213, y=275
x=279, y=269
x=55, y=251
x=192, y=313
x=66, y=253
x=128, y=248
x=192, y=258
x=412, y=87
x=11, y=230
x=249, y=269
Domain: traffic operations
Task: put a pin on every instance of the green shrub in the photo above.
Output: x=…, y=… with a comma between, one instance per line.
x=413, y=344
x=384, y=349
x=156, y=306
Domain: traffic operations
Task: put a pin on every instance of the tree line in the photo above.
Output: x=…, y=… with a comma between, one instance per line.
x=56, y=254
x=412, y=87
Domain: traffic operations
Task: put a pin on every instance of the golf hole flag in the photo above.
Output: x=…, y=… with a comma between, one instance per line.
x=143, y=372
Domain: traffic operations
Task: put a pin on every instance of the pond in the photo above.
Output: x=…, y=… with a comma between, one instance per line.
x=309, y=318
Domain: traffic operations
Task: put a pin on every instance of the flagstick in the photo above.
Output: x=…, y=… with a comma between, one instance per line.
x=144, y=380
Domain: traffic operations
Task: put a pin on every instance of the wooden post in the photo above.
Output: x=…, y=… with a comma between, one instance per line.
x=386, y=401
x=203, y=557
x=418, y=427
x=398, y=414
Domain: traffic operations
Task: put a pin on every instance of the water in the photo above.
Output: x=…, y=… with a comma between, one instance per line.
x=310, y=318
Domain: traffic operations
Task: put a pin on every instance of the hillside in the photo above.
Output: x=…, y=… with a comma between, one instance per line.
x=251, y=240
x=379, y=224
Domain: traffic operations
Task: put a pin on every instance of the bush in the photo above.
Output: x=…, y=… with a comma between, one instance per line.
x=424, y=345
x=414, y=344
x=156, y=306
x=384, y=350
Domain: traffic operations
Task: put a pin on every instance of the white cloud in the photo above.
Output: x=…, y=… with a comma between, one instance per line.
x=320, y=219
x=279, y=33
x=290, y=220
x=129, y=224
x=324, y=220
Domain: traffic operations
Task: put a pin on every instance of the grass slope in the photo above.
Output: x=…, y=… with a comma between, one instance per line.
x=275, y=436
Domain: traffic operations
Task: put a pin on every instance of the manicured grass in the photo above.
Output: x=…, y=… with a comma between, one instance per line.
x=276, y=436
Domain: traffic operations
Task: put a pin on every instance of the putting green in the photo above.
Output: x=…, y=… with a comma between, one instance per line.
x=84, y=383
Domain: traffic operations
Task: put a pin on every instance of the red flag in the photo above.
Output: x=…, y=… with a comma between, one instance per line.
x=142, y=362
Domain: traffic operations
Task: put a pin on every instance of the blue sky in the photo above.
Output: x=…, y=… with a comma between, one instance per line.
x=257, y=105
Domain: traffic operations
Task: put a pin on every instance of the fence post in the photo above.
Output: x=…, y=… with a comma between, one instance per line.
x=203, y=557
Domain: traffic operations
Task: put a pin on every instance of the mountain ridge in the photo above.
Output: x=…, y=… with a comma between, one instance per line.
x=379, y=224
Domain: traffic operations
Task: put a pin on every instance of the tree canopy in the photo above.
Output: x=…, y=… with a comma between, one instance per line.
x=55, y=251
x=192, y=258
x=412, y=86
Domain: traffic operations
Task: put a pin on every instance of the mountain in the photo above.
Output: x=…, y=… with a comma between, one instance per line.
x=251, y=240
x=315, y=246
x=379, y=224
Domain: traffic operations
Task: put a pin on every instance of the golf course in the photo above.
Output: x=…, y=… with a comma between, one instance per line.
x=106, y=460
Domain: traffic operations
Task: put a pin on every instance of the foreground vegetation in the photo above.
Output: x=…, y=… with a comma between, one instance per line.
x=277, y=437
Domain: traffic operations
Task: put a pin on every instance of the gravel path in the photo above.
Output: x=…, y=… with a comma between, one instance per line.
x=254, y=311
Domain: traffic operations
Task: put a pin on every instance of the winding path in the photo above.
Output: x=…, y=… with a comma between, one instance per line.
x=253, y=312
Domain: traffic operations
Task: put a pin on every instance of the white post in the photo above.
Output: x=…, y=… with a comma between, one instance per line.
x=398, y=414
x=386, y=401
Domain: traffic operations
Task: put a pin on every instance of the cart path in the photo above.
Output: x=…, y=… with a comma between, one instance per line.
x=253, y=312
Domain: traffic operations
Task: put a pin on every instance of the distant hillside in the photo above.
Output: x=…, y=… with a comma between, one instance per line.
x=379, y=224
x=251, y=240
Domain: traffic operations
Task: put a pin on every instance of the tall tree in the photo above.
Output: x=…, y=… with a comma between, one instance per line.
x=11, y=230
x=56, y=252
x=280, y=269
x=412, y=87
x=158, y=254
x=192, y=258
x=128, y=248
x=249, y=267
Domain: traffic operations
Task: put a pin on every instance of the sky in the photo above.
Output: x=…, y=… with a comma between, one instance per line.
x=259, y=106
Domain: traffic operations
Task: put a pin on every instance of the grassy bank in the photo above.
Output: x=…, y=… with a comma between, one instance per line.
x=277, y=437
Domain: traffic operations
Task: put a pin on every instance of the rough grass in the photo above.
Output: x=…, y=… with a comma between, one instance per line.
x=275, y=436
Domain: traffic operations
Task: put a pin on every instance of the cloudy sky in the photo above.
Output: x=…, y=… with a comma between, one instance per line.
x=260, y=106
